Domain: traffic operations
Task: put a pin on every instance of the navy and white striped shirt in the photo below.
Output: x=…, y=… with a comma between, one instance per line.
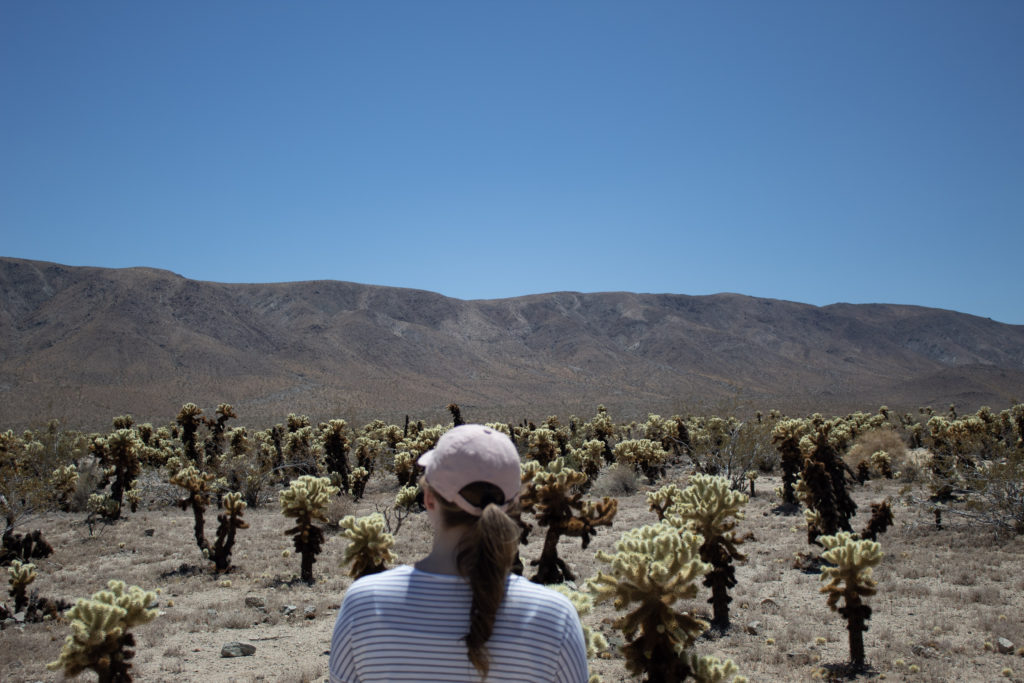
x=407, y=625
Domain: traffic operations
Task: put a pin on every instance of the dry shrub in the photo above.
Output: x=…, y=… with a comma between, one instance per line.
x=915, y=465
x=90, y=474
x=616, y=481
x=878, y=440
x=340, y=506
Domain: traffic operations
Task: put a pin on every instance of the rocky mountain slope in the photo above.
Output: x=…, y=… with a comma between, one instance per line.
x=85, y=344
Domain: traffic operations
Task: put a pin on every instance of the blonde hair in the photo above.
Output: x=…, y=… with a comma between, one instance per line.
x=484, y=557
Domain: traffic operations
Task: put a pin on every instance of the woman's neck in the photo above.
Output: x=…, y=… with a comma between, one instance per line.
x=442, y=556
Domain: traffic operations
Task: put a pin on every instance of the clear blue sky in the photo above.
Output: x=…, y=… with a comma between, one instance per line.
x=811, y=151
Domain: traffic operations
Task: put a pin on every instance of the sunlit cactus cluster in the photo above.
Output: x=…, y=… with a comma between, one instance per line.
x=100, y=638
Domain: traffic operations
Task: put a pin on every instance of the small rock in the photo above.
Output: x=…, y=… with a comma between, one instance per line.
x=925, y=651
x=255, y=601
x=19, y=617
x=753, y=628
x=211, y=612
x=236, y=649
x=288, y=610
x=309, y=612
x=149, y=532
x=1005, y=647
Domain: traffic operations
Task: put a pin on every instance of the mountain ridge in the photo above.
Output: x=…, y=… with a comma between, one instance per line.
x=83, y=344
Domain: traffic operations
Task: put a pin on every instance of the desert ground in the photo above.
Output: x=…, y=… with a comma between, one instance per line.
x=945, y=596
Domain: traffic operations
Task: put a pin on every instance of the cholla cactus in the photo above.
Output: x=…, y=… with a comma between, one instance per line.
x=850, y=579
x=588, y=459
x=101, y=505
x=654, y=566
x=367, y=450
x=602, y=428
x=336, y=444
x=120, y=454
x=407, y=497
x=543, y=446
x=882, y=462
x=405, y=468
x=229, y=521
x=100, y=638
x=20, y=575
x=642, y=455
x=786, y=435
x=661, y=500
x=881, y=519
x=369, y=549
x=708, y=507
x=823, y=480
x=554, y=497
x=218, y=425
x=64, y=481
x=199, y=486
x=358, y=478
x=708, y=669
x=190, y=417
x=306, y=500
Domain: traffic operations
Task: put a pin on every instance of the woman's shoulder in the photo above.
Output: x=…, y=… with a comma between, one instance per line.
x=373, y=582
x=524, y=589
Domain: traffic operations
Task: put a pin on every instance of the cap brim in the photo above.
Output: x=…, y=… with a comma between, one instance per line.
x=426, y=458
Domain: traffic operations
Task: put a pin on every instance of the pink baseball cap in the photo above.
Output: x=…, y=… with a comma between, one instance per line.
x=470, y=453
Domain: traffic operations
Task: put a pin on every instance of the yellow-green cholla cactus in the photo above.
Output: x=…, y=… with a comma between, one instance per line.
x=306, y=500
x=407, y=497
x=661, y=500
x=100, y=639
x=20, y=575
x=588, y=458
x=199, y=486
x=543, y=446
x=709, y=507
x=643, y=455
x=555, y=498
x=369, y=548
x=786, y=435
x=358, y=478
x=404, y=468
x=850, y=579
x=708, y=669
x=122, y=452
x=228, y=522
x=654, y=566
x=64, y=481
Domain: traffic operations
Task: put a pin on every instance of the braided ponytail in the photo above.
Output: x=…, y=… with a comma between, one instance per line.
x=484, y=558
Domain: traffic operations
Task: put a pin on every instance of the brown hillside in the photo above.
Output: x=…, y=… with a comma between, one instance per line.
x=85, y=344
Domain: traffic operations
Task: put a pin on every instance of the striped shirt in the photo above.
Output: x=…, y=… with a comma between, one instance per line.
x=407, y=625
